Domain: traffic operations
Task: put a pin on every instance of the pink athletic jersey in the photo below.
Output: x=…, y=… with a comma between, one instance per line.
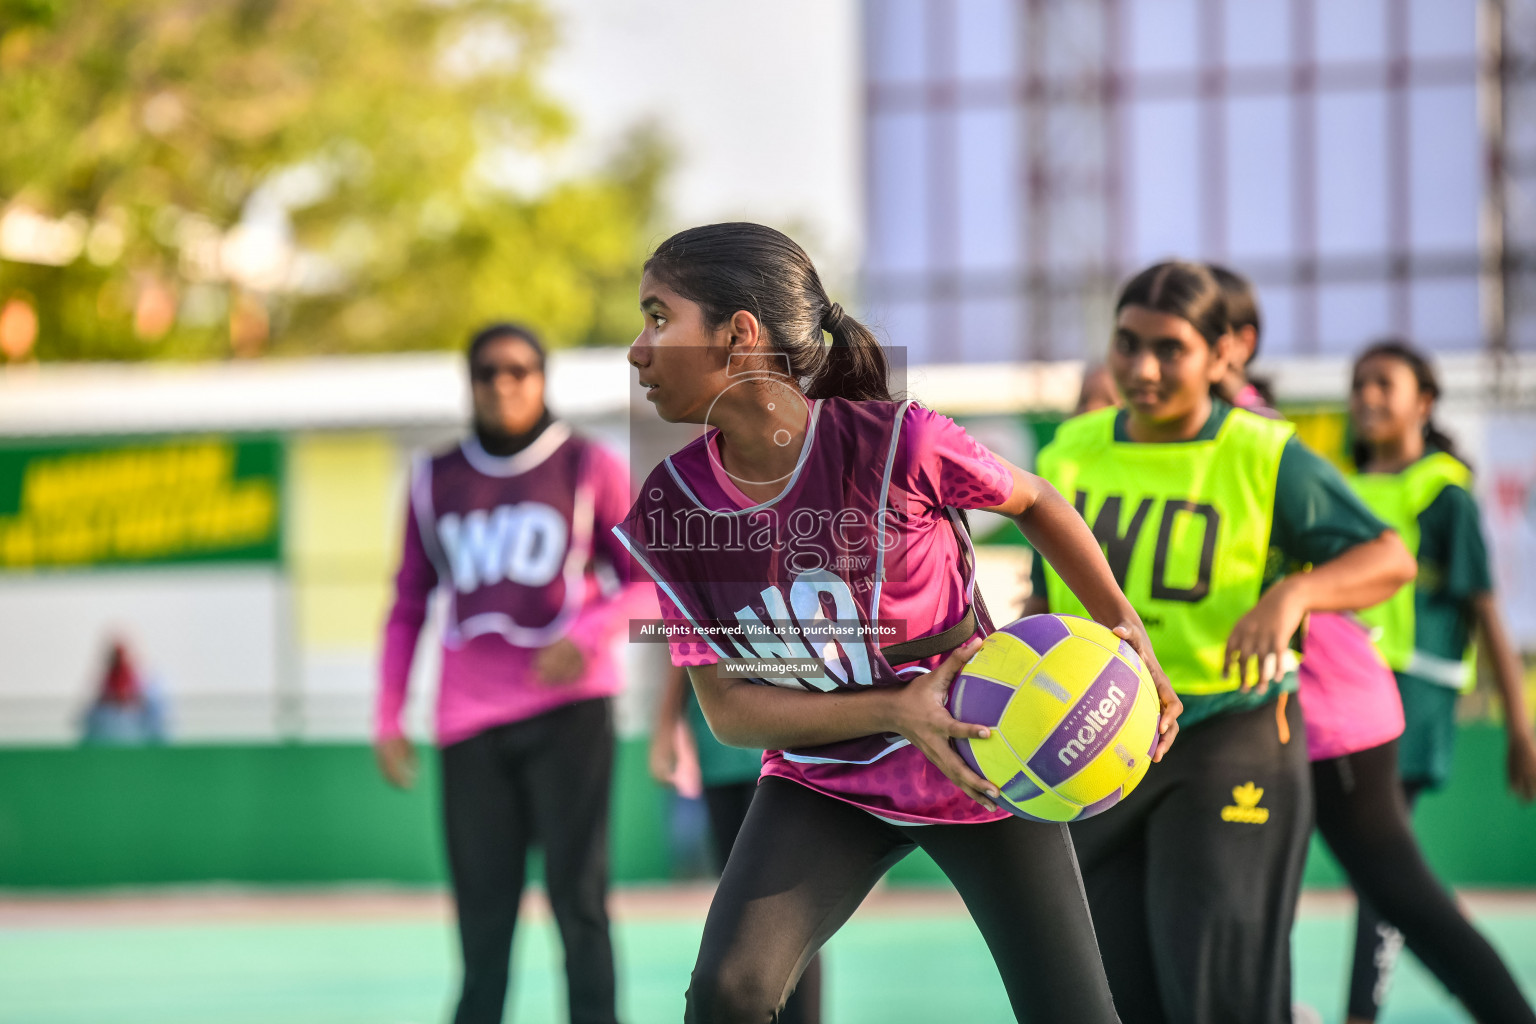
x=521, y=549
x=858, y=551
x=1348, y=695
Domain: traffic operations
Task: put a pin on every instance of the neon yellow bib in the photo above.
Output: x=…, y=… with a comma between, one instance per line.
x=1185, y=527
x=1398, y=499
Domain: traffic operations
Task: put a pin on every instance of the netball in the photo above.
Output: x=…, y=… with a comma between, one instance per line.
x=1072, y=711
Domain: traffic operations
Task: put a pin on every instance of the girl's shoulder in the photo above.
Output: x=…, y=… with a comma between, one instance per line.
x=1454, y=503
x=687, y=461
x=869, y=409
x=1090, y=429
x=1259, y=424
x=1431, y=477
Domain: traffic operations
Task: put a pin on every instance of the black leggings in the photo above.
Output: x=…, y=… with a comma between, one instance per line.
x=1362, y=812
x=728, y=805
x=804, y=862
x=541, y=781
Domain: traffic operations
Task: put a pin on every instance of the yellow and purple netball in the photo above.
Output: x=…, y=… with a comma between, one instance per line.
x=1073, y=715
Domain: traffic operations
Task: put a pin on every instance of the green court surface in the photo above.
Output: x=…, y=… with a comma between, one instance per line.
x=324, y=959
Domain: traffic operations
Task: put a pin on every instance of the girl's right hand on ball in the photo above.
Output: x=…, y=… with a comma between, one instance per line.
x=920, y=714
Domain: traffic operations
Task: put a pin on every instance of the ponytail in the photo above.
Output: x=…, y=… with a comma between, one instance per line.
x=726, y=268
x=1434, y=437
x=1429, y=384
x=855, y=366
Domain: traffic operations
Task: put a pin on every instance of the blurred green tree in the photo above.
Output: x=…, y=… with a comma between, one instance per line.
x=194, y=178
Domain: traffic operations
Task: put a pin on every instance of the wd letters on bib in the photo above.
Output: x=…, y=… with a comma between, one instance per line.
x=512, y=561
x=1186, y=529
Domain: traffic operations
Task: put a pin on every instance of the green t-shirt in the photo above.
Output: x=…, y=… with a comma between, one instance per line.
x=1317, y=517
x=1453, y=568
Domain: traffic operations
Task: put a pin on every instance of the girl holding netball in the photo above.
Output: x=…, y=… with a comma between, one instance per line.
x=1410, y=475
x=813, y=525
x=1224, y=532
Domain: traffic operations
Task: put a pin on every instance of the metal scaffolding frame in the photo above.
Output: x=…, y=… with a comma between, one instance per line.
x=1073, y=90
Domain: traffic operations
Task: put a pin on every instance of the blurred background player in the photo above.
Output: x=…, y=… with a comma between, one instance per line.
x=860, y=770
x=1097, y=390
x=1411, y=475
x=728, y=778
x=513, y=526
x=1244, y=329
x=1193, y=878
x=126, y=711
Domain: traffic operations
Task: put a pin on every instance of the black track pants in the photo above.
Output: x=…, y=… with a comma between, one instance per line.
x=1362, y=812
x=1194, y=877
x=543, y=781
x=804, y=862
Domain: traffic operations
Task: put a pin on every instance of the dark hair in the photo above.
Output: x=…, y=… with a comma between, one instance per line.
x=1242, y=303
x=1185, y=290
x=742, y=266
x=1429, y=384
x=505, y=329
x=1243, y=311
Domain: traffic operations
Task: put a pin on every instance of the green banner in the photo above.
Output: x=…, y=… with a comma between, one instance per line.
x=144, y=501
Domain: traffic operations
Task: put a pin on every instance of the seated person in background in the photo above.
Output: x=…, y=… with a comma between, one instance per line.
x=125, y=712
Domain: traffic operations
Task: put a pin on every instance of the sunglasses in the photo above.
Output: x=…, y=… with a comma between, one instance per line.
x=488, y=374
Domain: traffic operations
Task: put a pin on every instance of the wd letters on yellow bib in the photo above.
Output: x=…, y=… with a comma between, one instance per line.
x=1185, y=527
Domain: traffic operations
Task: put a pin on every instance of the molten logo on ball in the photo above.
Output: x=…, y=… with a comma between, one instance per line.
x=1099, y=719
x=1073, y=715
